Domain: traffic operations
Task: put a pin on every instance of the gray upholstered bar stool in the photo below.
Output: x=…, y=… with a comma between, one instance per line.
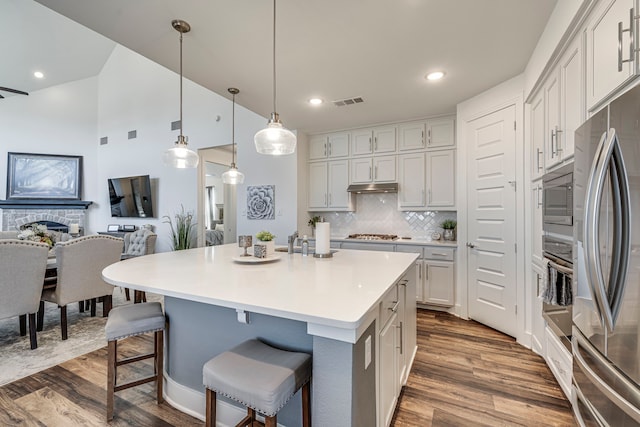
x=127, y=321
x=260, y=377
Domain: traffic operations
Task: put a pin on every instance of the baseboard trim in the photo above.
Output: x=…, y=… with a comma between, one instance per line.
x=192, y=402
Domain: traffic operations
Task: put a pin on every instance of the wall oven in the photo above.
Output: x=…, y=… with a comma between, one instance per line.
x=557, y=190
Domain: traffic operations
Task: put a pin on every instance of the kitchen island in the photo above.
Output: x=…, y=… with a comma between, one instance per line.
x=351, y=312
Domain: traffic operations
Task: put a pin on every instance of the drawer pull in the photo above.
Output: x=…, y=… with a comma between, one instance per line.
x=395, y=307
x=438, y=254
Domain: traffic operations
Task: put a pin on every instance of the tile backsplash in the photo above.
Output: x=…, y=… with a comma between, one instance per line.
x=378, y=213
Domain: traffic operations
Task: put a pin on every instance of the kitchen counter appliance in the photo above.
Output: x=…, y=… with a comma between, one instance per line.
x=606, y=318
x=373, y=236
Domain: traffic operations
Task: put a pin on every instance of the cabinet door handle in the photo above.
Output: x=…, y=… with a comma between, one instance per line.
x=438, y=254
x=419, y=273
x=429, y=137
x=375, y=143
x=539, y=152
x=376, y=173
x=558, y=140
x=422, y=143
x=538, y=284
x=369, y=172
x=401, y=343
x=631, y=45
x=395, y=306
x=540, y=194
x=370, y=150
x=426, y=272
x=329, y=149
x=429, y=194
x=325, y=150
x=553, y=135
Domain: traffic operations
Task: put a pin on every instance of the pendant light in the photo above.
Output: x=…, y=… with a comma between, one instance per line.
x=275, y=139
x=233, y=176
x=180, y=156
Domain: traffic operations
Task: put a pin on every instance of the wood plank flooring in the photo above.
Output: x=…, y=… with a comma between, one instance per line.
x=465, y=374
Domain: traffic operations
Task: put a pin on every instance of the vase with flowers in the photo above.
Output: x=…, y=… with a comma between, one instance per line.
x=37, y=233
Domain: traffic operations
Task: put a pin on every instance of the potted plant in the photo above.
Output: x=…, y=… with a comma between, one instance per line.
x=449, y=226
x=312, y=223
x=266, y=238
x=182, y=232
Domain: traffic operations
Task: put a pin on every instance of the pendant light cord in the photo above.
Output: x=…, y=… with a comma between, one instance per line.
x=274, y=56
x=180, y=86
x=233, y=131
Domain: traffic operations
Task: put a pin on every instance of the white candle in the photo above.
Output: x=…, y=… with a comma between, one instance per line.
x=323, y=237
x=74, y=228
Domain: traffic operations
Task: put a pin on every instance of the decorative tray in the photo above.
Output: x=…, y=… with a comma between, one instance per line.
x=253, y=260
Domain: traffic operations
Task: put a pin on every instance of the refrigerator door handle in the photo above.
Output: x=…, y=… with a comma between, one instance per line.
x=595, y=187
x=578, y=344
x=622, y=229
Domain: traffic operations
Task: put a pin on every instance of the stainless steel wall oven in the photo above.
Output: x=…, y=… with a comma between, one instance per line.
x=557, y=189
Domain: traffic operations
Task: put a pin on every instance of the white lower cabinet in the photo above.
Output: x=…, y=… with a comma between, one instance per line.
x=559, y=360
x=438, y=283
x=538, y=339
x=396, y=344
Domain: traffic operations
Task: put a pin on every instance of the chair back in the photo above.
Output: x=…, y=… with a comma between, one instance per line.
x=9, y=234
x=140, y=242
x=80, y=263
x=22, y=267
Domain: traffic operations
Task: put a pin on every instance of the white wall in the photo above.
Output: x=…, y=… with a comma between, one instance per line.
x=136, y=93
x=58, y=120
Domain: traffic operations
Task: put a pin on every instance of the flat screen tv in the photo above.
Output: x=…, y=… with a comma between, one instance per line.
x=131, y=197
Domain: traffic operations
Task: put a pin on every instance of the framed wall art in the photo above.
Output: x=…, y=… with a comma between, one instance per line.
x=44, y=176
x=261, y=202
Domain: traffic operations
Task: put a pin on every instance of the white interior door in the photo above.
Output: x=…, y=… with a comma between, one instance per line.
x=492, y=220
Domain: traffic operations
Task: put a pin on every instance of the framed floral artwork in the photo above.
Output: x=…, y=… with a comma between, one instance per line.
x=261, y=202
x=44, y=176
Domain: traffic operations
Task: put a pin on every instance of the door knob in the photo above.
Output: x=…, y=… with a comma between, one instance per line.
x=470, y=245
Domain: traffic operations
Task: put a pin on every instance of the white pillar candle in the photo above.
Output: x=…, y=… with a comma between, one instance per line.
x=323, y=237
x=74, y=228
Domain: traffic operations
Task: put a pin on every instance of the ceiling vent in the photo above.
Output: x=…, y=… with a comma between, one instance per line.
x=347, y=101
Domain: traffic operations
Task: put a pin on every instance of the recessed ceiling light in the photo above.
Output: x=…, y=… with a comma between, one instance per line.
x=436, y=75
x=38, y=74
x=315, y=101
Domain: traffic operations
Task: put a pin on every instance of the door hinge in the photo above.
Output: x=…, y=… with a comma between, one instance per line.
x=514, y=125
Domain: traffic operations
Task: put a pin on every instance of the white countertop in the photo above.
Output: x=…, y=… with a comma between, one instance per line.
x=335, y=292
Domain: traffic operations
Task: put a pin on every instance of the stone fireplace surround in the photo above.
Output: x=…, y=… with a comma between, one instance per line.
x=13, y=219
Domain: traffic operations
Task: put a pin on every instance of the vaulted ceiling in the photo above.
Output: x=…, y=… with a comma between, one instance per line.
x=379, y=50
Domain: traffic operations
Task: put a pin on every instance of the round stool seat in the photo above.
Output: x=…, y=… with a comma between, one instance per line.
x=257, y=375
x=134, y=319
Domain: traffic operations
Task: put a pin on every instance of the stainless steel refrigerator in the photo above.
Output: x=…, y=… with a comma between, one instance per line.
x=606, y=307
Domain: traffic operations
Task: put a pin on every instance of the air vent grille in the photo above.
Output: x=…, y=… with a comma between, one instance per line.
x=348, y=101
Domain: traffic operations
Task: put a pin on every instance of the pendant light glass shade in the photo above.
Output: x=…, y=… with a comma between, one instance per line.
x=275, y=139
x=233, y=176
x=180, y=156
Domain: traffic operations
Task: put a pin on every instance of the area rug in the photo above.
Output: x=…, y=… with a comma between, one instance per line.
x=86, y=334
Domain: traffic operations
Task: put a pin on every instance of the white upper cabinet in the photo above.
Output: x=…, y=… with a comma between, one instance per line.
x=572, y=111
x=411, y=181
x=537, y=136
x=328, y=182
x=611, y=59
x=373, y=169
x=329, y=146
x=374, y=140
x=441, y=182
x=441, y=133
x=411, y=136
x=552, y=115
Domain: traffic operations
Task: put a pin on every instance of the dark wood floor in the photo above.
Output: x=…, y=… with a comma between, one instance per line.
x=465, y=374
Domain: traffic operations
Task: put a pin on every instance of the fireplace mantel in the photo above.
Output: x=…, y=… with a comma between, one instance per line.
x=44, y=204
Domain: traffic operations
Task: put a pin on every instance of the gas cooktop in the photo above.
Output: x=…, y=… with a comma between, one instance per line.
x=373, y=236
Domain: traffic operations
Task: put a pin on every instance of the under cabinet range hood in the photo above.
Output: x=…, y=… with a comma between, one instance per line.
x=380, y=187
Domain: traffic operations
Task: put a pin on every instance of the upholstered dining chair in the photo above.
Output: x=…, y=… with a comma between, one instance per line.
x=9, y=235
x=80, y=263
x=22, y=267
x=138, y=243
